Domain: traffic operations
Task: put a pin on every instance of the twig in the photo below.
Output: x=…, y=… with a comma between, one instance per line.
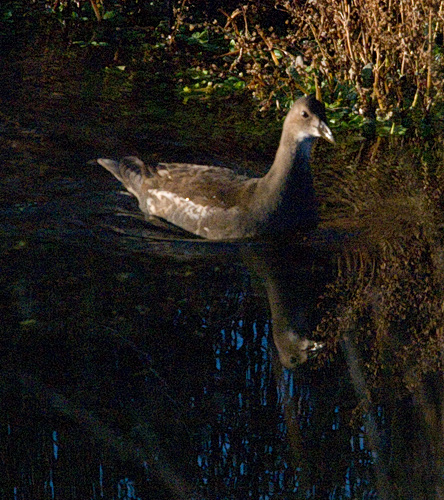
x=96, y=10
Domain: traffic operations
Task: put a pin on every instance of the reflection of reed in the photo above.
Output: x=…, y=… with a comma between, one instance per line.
x=386, y=312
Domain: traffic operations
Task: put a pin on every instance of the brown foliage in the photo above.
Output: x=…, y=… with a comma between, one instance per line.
x=389, y=51
x=396, y=38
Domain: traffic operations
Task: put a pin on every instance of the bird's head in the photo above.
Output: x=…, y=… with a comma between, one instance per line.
x=307, y=120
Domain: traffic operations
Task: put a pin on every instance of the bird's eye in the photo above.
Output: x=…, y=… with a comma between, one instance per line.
x=304, y=114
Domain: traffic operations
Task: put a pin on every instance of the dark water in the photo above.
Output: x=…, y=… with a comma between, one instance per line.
x=137, y=365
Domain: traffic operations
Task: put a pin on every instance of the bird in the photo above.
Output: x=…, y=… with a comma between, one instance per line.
x=216, y=203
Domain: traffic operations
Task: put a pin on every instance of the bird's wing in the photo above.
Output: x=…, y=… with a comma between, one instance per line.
x=205, y=185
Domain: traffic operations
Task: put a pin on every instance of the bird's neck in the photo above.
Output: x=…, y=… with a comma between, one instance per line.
x=288, y=185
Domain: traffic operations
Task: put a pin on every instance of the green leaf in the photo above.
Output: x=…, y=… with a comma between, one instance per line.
x=28, y=322
x=109, y=14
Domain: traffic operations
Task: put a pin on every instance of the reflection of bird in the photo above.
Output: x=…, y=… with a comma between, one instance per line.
x=293, y=291
x=289, y=292
x=216, y=203
x=294, y=350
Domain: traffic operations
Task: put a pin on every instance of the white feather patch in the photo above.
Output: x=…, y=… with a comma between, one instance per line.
x=185, y=213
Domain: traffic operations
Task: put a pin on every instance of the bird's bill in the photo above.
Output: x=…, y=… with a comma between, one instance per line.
x=325, y=132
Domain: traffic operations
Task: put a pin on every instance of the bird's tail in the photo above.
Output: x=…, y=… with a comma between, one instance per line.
x=130, y=171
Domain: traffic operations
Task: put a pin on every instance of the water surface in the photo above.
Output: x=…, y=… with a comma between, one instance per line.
x=140, y=365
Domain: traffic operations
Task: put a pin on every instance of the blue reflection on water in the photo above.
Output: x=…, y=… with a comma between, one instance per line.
x=126, y=489
x=55, y=445
x=49, y=485
x=101, y=479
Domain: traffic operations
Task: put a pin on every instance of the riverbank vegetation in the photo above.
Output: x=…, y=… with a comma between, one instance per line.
x=378, y=65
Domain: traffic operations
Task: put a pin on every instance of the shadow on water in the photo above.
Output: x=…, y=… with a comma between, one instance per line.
x=140, y=365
